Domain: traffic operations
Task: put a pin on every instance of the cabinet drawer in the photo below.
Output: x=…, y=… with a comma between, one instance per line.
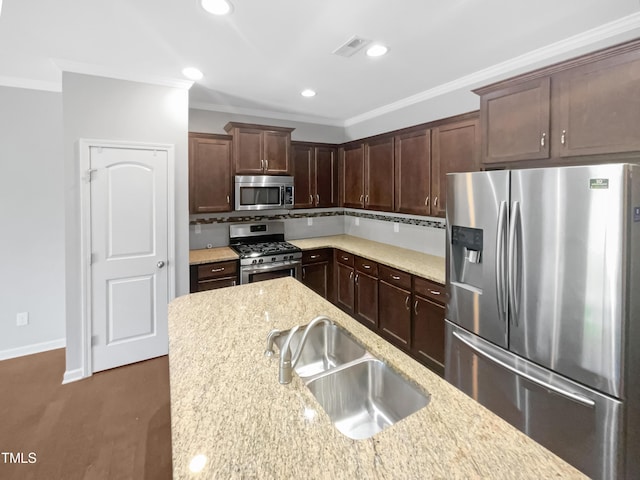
x=395, y=277
x=316, y=256
x=344, y=257
x=366, y=266
x=217, y=270
x=212, y=284
x=429, y=289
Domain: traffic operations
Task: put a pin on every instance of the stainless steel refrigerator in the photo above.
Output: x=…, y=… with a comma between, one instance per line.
x=543, y=314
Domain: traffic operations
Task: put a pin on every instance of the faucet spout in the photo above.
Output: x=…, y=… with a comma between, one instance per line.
x=287, y=364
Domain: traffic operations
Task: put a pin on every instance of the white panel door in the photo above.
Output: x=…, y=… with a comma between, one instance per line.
x=129, y=279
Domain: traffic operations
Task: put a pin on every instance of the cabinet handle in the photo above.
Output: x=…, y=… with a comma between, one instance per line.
x=361, y=198
x=366, y=266
x=406, y=302
x=543, y=139
x=350, y=274
x=228, y=200
x=366, y=199
x=317, y=199
x=262, y=165
x=311, y=199
x=314, y=256
x=395, y=277
x=266, y=163
x=435, y=201
x=215, y=270
x=415, y=307
x=357, y=275
x=303, y=272
x=563, y=137
x=346, y=259
x=434, y=292
x=426, y=201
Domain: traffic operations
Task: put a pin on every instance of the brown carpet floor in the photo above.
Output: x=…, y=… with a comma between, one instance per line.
x=114, y=425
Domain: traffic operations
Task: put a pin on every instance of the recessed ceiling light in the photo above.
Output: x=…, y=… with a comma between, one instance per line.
x=216, y=7
x=308, y=93
x=377, y=50
x=192, y=73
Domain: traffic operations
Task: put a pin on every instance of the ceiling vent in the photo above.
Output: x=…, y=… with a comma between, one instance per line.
x=351, y=46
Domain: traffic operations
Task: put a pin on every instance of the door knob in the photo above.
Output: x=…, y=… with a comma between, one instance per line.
x=160, y=264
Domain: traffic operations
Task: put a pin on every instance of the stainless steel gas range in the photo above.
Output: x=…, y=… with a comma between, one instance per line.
x=264, y=254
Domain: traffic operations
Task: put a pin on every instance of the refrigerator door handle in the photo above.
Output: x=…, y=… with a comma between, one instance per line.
x=587, y=402
x=500, y=251
x=511, y=261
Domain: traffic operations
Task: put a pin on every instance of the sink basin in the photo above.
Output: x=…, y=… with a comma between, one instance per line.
x=327, y=347
x=366, y=397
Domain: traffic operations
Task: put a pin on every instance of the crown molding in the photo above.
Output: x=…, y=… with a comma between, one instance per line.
x=509, y=67
x=101, y=71
x=255, y=112
x=30, y=84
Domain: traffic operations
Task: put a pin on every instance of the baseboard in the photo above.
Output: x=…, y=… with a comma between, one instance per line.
x=31, y=349
x=72, y=376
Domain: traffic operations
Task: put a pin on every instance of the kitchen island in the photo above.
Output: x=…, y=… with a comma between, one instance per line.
x=229, y=411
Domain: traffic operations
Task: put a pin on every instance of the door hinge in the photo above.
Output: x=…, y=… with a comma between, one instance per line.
x=90, y=173
x=95, y=340
x=92, y=258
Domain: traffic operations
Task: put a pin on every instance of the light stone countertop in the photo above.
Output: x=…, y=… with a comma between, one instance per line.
x=421, y=264
x=208, y=255
x=227, y=404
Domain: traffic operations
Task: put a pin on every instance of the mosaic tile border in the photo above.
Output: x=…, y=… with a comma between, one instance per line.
x=284, y=216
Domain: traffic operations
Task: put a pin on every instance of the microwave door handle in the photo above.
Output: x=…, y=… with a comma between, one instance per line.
x=587, y=402
x=282, y=196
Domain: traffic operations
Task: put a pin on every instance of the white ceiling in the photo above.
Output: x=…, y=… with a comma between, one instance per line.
x=260, y=57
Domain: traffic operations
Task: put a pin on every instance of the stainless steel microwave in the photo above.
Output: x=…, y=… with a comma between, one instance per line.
x=263, y=192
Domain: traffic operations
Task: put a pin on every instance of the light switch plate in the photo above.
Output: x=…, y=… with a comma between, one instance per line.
x=198, y=228
x=356, y=221
x=396, y=227
x=309, y=221
x=22, y=319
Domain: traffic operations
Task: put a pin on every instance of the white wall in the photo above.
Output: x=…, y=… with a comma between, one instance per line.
x=108, y=109
x=31, y=221
x=207, y=121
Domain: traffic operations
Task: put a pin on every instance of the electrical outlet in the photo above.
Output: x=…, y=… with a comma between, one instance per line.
x=22, y=319
x=396, y=227
x=356, y=221
x=309, y=221
x=198, y=228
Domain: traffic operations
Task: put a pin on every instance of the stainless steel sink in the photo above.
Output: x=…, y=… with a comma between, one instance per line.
x=366, y=397
x=328, y=346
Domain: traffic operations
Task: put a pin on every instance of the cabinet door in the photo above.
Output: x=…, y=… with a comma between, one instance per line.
x=248, y=151
x=345, y=287
x=412, y=172
x=515, y=122
x=366, y=299
x=379, y=175
x=428, y=333
x=209, y=175
x=395, y=314
x=276, y=152
x=353, y=176
x=303, y=175
x=326, y=177
x=597, y=107
x=315, y=276
x=456, y=148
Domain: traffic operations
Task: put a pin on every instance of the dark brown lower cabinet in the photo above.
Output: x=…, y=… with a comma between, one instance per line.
x=428, y=333
x=395, y=314
x=209, y=276
x=345, y=288
x=366, y=305
x=317, y=272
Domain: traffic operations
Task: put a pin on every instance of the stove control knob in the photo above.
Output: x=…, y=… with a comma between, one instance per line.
x=254, y=261
x=260, y=261
x=273, y=259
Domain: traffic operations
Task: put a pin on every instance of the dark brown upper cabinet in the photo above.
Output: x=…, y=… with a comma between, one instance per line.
x=379, y=183
x=413, y=172
x=315, y=175
x=515, y=122
x=210, y=182
x=352, y=176
x=585, y=109
x=455, y=148
x=260, y=149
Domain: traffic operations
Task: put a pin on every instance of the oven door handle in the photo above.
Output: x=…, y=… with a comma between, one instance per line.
x=287, y=264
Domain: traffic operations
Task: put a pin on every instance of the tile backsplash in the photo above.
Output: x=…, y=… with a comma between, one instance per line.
x=423, y=234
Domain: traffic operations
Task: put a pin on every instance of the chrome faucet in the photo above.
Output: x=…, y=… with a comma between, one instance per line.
x=286, y=363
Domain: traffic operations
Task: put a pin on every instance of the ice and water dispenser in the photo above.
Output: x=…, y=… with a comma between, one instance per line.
x=466, y=253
